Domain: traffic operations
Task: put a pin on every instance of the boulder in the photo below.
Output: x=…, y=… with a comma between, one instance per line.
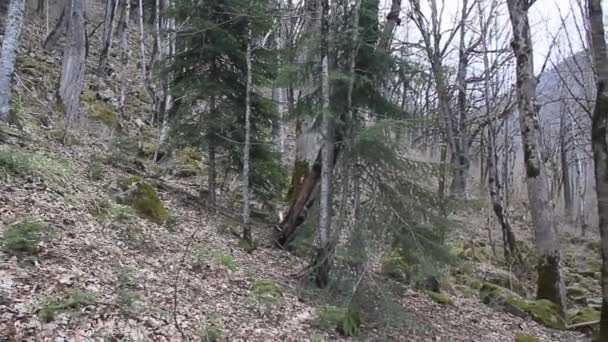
x=135, y=192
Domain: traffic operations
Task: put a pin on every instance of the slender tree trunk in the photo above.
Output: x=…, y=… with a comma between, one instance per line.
x=509, y=242
x=565, y=166
x=323, y=261
x=8, y=54
x=108, y=34
x=599, y=130
x=73, y=63
x=550, y=278
x=123, y=30
x=246, y=148
x=211, y=172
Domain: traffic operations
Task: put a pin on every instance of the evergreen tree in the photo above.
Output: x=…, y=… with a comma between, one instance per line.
x=210, y=78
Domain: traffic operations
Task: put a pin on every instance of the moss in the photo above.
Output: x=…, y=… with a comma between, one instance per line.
x=344, y=320
x=69, y=301
x=23, y=237
x=587, y=314
x=489, y=293
x=23, y=163
x=266, y=291
x=144, y=200
x=187, y=162
x=396, y=266
x=441, y=298
x=148, y=149
x=576, y=291
x=526, y=338
x=456, y=251
x=99, y=110
x=543, y=311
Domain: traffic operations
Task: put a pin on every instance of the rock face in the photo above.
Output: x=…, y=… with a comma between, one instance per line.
x=141, y=196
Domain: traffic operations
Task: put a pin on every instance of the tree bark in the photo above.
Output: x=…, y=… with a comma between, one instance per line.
x=59, y=30
x=599, y=145
x=550, y=278
x=565, y=166
x=246, y=148
x=323, y=261
x=211, y=173
x=8, y=54
x=73, y=62
x=108, y=33
x=123, y=31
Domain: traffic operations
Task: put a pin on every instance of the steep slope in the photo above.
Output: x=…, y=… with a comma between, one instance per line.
x=104, y=273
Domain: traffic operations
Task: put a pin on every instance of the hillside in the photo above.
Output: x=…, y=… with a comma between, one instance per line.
x=82, y=267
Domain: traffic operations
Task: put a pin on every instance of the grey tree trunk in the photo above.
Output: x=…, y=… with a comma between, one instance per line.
x=73, y=62
x=108, y=34
x=550, y=278
x=565, y=166
x=460, y=152
x=246, y=149
x=599, y=130
x=211, y=172
x=8, y=54
x=323, y=261
x=123, y=31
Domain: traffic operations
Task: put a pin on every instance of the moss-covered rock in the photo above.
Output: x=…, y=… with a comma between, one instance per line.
x=441, y=298
x=187, y=162
x=491, y=294
x=584, y=315
x=526, y=338
x=98, y=110
x=543, y=311
x=141, y=196
x=577, y=294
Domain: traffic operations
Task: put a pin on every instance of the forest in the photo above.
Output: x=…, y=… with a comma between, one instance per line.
x=316, y=170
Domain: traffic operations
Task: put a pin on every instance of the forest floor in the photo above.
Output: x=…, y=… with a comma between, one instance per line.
x=128, y=279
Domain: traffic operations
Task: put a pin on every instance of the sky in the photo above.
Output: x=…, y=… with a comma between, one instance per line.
x=545, y=20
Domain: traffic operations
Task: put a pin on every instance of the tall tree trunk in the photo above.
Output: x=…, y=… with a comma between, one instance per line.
x=323, y=261
x=123, y=31
x=550, y=278
x=211, y=172
x=460, y=154
x=73, y=62
x=108, y=34
x=246, y=148
x=600, y=147
x=498, y=203
x=8, y=54
x=565, y=166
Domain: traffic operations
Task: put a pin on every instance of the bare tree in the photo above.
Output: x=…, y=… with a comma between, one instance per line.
x=455, y=121
x=73, y=62
x=599, y=132
x=550, y=278
x=8, y=54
